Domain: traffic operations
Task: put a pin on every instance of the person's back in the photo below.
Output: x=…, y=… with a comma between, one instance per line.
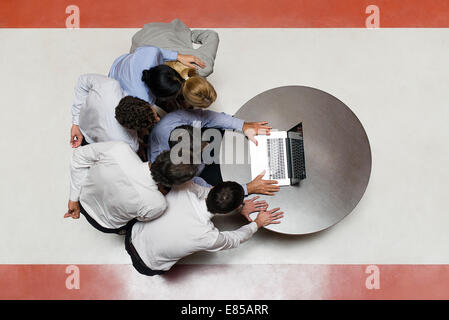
x=178, y=37
x=128, y=68
x=97, y=120
x=118, y=185
x=184, y=228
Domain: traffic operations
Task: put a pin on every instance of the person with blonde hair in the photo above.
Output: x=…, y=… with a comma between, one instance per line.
x=195, y=90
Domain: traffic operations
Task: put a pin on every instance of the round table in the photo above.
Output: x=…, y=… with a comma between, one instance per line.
x=337, y=156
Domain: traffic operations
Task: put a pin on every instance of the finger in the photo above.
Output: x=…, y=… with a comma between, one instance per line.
x=278, y=215
x=67, y=215
x=262, y=122
x=273, y=210
x=268, y=193
x=255, y=198
x=253, y=140
x=273, y=188
x=275, y=222
x=200, y=62
x=270, y=181
x=261, y=175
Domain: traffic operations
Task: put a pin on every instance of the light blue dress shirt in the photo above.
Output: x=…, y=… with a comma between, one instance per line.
x=127, y=69
x=160, y=135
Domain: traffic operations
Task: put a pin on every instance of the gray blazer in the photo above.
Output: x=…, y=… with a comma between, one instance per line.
x=178, y=37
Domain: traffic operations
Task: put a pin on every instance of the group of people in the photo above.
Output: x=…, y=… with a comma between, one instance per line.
x=123, y=177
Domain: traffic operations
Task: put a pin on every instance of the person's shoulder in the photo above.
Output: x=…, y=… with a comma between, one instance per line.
x=148, y=52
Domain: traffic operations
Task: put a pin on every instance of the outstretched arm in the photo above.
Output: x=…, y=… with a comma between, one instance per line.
x=232, y=239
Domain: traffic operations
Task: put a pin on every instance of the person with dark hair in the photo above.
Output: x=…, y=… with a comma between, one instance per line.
x=159, y=138
x=111, y=186
x=186, y=226
x=133, y=71
x=103, y=112
x=168, y=174
x=196, y=92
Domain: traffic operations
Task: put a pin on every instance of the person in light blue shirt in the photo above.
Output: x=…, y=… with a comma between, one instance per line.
x=158, y=141
x=128, y=68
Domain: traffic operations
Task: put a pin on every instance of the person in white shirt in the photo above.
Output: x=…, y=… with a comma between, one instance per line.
x=111, y=186
x=186, y=226
x=102, y=112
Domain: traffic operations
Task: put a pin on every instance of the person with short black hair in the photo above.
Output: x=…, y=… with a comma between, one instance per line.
x=111, y=186
x=186, y=226
x=103, y=112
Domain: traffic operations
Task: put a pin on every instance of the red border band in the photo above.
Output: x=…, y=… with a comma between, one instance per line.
x=234, y=281
x=226, y=14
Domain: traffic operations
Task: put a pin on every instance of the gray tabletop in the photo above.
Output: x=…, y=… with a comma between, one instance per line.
x=337, y=156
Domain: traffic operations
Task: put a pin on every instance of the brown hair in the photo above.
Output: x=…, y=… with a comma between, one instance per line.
x=197, y=91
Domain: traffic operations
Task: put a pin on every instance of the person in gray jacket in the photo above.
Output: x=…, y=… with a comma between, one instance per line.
x=178, y=37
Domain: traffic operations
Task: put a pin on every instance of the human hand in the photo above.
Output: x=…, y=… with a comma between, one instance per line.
x=191, y=61
x=251, y=129
x=260, y=186
x=265, y=218
x=74, y=210
x=75, y=132
x=251, y=205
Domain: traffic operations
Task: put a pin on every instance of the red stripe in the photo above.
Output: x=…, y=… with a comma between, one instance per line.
x=234, y=281
x=226, y=13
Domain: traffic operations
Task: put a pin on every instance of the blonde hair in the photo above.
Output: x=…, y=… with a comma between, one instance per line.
x=197, y=91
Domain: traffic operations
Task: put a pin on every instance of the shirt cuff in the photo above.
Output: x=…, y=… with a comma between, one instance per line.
x=171, y=55
x=245, y=189
x=75, y=120
x=253, y=227
x=237, y=124
x=74, y=195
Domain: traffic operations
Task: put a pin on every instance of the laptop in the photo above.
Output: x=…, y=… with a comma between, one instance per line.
x=281, y=155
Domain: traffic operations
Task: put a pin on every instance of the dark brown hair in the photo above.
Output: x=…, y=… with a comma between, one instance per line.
x=168, y=174
x=134, y=113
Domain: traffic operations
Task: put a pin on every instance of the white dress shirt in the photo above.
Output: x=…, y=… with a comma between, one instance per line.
x=183, y=229
x=114, y=185
x=93, y=110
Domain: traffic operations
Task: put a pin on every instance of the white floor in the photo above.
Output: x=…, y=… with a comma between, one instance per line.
x=396, y=82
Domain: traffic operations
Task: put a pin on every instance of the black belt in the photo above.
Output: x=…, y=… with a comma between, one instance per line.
x=138, y=263
x=97, y=226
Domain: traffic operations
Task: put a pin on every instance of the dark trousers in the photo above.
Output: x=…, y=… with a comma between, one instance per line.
x=97, y=226
x=138, y=263
x=211, y=173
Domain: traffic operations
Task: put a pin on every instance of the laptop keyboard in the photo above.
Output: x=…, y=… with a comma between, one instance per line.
x=276, y=158
x=297, y=151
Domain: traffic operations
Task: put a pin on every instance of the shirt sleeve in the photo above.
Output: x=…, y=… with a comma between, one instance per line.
x=82, y=159
x=154, y=209
x=169, y=55
x=212, y=119
x=232, y=239
x=209, y=45
x=84, y=85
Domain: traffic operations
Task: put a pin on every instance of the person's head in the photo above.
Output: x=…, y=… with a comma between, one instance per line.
x=136, y=114
x=168, y=174
x=225, y=197
x=164, y=82
x=198, y=92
